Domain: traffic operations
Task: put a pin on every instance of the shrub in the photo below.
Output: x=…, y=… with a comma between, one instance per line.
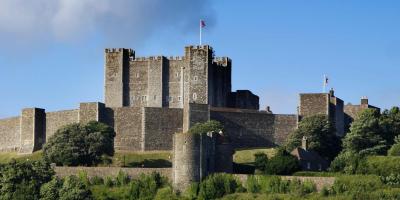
x=80, y=144
x=392, y=180
x=394, y=150
x=95, y=180
x=146, y=186
x=356, y=184
x=83, y=177
x=122, y=178
x=273, y=184
x=348, y=162
x=260, y=161
x=74, y=189
x=282, y=164
x=165, y=193
x=108, y=182
x=192, y=191
x=200, y=128
x=382, y=165
x=252, y=185
x=217, y=185
x=50, y=190
x=298, y=188
x=23, y=180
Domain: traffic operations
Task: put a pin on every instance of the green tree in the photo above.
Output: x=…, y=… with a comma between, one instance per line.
x=395, y=149
x=80, y=144
x=23, y=180
x=365, y=136
x=210, y=126
x=321, y=136
x=282, y=164
x=50, y=190
x=74, y=189
x=390, y=124
x=260, y=161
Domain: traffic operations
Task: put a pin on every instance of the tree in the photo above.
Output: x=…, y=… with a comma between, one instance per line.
x=23, y=180
x=260, y=161
x=395, y=149
x=74, y=189
x=209, y=126
x=390, y=124
x=80, y=144
x=365, y=134
x=321, y=136
x=282, y=164
x=50, y=190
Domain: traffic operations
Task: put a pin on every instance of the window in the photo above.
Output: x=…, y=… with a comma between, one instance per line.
x=179, y=98
x=137, y=75
x=194, y=96
x=144, y=98
x=177, y=75
x=308, y=165
x=195, y=78
x=155, y=97
x=320, y=167
x=170, y=99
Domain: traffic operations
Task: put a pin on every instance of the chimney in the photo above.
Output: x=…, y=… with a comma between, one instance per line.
x=364, y=100
x=304, y=144
x=332, y=92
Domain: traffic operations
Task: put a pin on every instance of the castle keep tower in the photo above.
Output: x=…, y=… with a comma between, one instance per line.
x=158, y=81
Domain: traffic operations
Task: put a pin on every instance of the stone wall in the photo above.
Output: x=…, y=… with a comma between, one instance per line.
x=128, y=125
x=313, y=104
x=249, y=128
x=160, y=124
x=32, y=132
x=110, y=171
x=56, y=120
x=9, y=134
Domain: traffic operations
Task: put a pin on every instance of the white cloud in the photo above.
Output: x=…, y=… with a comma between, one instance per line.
x=114, y=20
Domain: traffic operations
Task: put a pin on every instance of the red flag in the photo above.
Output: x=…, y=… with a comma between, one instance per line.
x=202, y=24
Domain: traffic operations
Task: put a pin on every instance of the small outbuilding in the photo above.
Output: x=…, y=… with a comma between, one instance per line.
x=309, y=160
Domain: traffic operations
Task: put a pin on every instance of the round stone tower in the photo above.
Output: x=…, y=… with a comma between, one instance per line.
x=187, y=160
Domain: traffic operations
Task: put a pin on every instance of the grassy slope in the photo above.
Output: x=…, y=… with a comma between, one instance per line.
x=246, y=156
x=132, y=159
x=6, y=157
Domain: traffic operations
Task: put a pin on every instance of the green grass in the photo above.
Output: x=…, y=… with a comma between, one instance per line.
x=246, y=156
x=156, y=159
x=6, y=157
x=104, y=192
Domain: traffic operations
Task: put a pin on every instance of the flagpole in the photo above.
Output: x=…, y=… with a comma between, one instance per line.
x=200, y=30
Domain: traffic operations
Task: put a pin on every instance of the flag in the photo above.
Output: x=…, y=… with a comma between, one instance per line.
x=326, y=80
x=202, y=23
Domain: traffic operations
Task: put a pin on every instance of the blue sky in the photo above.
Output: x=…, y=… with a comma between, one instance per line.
x=52, y=50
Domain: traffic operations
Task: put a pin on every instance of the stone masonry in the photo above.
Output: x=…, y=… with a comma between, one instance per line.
x=149, y=99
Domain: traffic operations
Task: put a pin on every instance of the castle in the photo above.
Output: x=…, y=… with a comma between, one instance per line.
x=148, y=100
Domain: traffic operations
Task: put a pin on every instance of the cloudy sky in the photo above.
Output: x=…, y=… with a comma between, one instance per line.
x=51, y=53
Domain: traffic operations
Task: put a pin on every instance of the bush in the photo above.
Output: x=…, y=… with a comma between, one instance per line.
x=349, y=163
x=382, y=165
x=192, y=191
x=282, y=164
x=74, y=189
x=165, y=193
x=122, y=178
x=394, y=150
x=392, y=180
x=356, y=184
x=146, y=186
x=95, y=180
x=23, y=180
x=298, y=188
x=80, y=144
x=252, y=185
x=260, y=161
x=272, y=184
x=210, y=126
x=50, y=190
x=108, y=182
x=217, y=185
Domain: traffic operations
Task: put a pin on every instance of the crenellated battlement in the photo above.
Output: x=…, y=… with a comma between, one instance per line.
x=176, y=58
x=223, y=61
x=118, y=50
x=150, y=58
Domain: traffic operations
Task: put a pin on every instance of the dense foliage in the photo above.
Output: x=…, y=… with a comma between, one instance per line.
x=215, y=186
x=80, y=144
x=23, y=180
x=281, y=164
x=320, y=134
x=210, y=126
